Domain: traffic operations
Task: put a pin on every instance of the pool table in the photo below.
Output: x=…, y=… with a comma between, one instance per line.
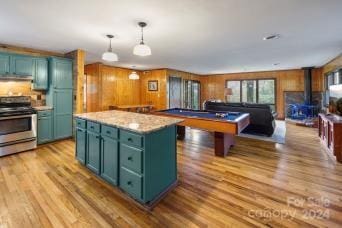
x=225, y=127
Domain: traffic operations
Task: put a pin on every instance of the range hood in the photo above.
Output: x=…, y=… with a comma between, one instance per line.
x=15, y=77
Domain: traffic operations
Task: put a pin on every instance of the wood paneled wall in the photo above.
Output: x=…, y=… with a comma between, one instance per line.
x=110, y=86
x=286, y=80
x=156, y=98
x=333, y=64
x=28, y=51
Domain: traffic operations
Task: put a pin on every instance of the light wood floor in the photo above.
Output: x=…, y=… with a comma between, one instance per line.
x=251, y=187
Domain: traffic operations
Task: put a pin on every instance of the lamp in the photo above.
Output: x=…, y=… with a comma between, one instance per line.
x=228, y=92
x=142, y=49
x=133, y=75
x=110, y=56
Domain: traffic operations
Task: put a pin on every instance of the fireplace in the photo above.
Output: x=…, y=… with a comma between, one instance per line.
x=303, y=107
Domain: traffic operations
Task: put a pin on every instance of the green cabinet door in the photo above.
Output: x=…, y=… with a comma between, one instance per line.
x=109, y=160
x=44, y=133
x=4, y=64
x=62, y=113
x=40, y=78
x=93, y=151
x=61, y=70
x=81, y=140
x=22, y=65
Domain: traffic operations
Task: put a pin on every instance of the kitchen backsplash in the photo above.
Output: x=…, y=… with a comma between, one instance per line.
x=16, y=88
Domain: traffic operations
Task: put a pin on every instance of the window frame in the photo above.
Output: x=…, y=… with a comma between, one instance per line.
x=257, y=89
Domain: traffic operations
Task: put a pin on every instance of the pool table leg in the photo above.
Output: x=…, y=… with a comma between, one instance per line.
x=180, y=132
x=223, y=141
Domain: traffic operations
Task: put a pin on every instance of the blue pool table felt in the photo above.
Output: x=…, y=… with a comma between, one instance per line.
x=231, y=116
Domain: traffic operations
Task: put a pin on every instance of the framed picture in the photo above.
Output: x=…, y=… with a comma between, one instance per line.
x=153, y=85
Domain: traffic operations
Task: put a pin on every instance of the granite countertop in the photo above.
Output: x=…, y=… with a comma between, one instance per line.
x=42, y=108
x=136, y=122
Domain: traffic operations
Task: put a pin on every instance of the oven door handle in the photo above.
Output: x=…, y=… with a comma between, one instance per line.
x=16, y=117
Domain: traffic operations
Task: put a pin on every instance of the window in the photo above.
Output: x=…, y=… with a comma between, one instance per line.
x=261, y=91
x=249, y=90
x=235, y=86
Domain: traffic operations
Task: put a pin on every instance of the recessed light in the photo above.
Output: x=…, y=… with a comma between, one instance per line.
x=272, y=37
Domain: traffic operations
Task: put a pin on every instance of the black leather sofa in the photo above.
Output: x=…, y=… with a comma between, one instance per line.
x=262, y=118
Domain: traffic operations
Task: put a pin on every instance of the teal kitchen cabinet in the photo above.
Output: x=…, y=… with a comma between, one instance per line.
x=22, y=65
x=62, y=113
x=93, y=151
x=81, y=140
x=4, y=63
x=45, y=126
x=109, y=159
x=60, y=96
x=144, y=166
x=147, y=165
x=61, y=71
x=40, y=76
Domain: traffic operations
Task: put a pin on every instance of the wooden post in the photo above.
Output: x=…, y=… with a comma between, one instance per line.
x=79, y=78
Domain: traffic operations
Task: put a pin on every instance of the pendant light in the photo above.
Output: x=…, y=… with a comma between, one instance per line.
x=133, y=75
x=142, y=49
x=110, y=56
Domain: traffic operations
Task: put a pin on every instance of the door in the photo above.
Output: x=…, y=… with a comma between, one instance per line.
x=44, y=129
x=175, y=92
x=22, y=65
x=62, y=113
x=192, y=94
x=93, y=151
x=109, y=160
x=81, y=136
x=41, y=74
x=4, y=64
x=62, y=74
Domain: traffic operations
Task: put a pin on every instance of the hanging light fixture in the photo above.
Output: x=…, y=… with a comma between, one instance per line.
x=110, y=56
x=133, y=75
x=142, y=49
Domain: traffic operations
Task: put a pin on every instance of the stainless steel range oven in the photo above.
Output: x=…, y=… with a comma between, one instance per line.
x=18, y=125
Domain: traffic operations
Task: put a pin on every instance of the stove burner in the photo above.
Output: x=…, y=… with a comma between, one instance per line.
x=15, y=105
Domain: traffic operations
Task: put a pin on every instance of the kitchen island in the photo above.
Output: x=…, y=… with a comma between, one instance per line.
x=135, y=152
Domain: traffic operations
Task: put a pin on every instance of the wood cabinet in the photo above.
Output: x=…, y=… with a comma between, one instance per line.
x=45, y=126
x=140, y=164
x=330, y=132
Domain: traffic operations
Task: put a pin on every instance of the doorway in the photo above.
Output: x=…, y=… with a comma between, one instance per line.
x=192, y=94
x=175, y=92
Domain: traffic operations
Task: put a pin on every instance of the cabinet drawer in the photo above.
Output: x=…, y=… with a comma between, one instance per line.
x=81, y=123
x=131, y=138
x=94, y=127
x=131, y=158
x=111, y=132
x=131, y=183
x=44, y=113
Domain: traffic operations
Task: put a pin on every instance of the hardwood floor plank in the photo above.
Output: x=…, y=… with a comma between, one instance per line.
x=256, y=184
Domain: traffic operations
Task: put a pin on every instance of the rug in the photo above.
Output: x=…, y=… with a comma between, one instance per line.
x=277, y=137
